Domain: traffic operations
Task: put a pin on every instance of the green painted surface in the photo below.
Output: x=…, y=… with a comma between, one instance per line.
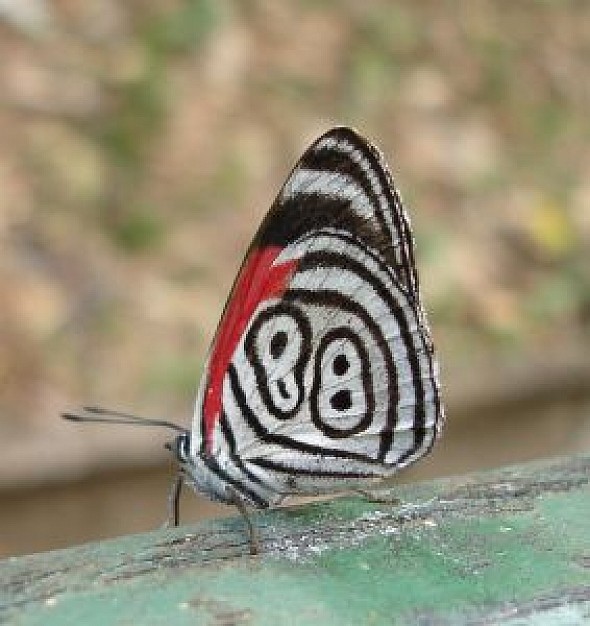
x=512, y=546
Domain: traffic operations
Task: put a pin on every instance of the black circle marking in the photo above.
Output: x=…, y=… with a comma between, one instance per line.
x=332, y=298
x=280, y=345
x=342, y=399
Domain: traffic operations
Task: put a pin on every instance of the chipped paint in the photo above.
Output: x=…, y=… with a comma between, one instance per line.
x=510, y=546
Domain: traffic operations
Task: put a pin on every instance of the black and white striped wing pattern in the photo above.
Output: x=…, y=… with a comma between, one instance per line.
x=322, y=375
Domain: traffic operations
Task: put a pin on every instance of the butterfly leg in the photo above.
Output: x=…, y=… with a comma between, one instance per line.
x=235, y=499
x=173, y=518
x=378, y=498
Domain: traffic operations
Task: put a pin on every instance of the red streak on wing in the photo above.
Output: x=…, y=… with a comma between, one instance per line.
x=257, y=281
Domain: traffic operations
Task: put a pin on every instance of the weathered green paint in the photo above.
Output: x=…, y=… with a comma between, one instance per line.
x=511, y=546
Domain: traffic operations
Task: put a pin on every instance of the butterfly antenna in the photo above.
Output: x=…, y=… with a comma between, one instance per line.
x=107, y=416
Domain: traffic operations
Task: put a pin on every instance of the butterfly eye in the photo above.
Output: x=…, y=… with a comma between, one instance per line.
x=341, y=395
x=181, y=447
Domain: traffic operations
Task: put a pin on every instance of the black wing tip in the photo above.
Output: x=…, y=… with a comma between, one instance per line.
x=358, y=140
x=343, y=132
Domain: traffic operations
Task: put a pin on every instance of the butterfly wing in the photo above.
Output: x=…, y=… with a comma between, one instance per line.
x=322, y=373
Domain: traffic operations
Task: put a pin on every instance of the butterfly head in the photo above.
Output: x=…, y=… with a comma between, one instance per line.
x=193, y=469
x=180, y=448
x=204, y=472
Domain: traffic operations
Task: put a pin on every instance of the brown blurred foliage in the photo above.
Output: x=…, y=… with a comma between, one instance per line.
x=142, y=142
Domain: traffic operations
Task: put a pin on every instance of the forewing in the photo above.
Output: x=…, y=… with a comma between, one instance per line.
x=343, y=182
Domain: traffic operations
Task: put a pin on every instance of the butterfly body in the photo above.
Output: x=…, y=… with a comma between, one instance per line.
x=322, y=374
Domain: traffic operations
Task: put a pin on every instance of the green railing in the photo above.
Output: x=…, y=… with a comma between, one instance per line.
x=509, y=546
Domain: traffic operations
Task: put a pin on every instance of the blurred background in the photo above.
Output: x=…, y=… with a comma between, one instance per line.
x=142, y=142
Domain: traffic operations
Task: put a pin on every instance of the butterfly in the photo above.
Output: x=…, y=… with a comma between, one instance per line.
x=322, y=375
